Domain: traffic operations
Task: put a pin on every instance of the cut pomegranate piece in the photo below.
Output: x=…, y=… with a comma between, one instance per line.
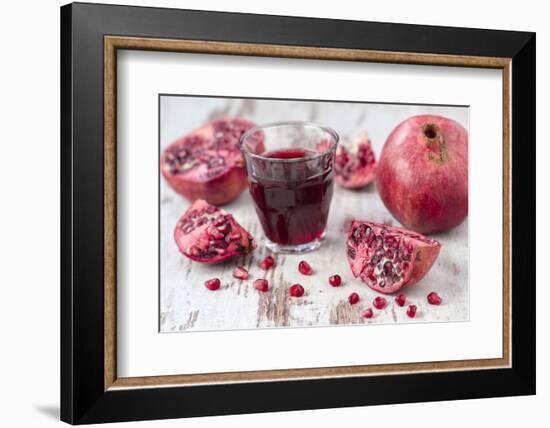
x=379, y=302
x=296, y=290
x=389, y=258
x=411, y=311
x=335, y=280
x=305, y=268
x=208, y=163
x=240, y=272
x=267, y=263
x=400, y=300
x=208, y=234
x=367, y=313
x=353, y=298
x=261, y=285
x=355, y=166
x=434, y=299
x=212, y=284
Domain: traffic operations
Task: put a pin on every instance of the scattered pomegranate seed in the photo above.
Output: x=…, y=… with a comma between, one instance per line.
x=240, y=272
x=296, y=290
x=400, y=300
x=305, y=268
x=335, y=280
x=267, y=263
x=434, y=299
x=353, y=298
x=379, y=302
x=367, y=313
x=212, y=284
x=411, y=311
x=261, y=284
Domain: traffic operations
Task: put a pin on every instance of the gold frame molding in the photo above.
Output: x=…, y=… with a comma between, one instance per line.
x=113, y=43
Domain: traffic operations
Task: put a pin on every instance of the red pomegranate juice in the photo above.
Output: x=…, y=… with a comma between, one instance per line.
x=293, y=200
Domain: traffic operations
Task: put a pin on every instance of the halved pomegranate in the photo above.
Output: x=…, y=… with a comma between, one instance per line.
x=389, y=258
x=355, y=166
x=208, y=234
x=207, y=163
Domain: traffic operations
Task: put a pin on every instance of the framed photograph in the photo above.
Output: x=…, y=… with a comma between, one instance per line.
x=277, y=213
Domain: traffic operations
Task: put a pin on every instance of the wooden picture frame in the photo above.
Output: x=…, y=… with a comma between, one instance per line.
x=91, y=391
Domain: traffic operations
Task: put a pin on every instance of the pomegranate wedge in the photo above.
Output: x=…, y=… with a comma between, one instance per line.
x=389, y=258
x=208, y=234
x=355, y=166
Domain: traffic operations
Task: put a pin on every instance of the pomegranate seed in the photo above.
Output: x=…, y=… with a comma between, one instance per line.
x=212, y=284
x=335, y=280
x=379, y=302
x=400, y=300
x=261, y=284
x=353, y=298
x=195, y=251
x=213, y=232
x=305, y=268
x=224, y=228
x=220, y=221
x=240, y=272
x=367, y=313
x=434, y=299
x=411, y=311
x=235, y=237
x=296, y=290
x=267, y=263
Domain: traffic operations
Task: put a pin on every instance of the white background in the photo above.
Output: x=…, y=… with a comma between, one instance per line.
x=144, y=352
x=29, y=308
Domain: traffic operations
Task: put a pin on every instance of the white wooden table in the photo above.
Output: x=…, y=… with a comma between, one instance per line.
x=186, y=305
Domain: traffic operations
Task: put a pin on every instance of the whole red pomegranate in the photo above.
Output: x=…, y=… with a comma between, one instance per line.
x=355, y=166
x=208, y=234
x=422, y=174
x=208, y=163
x=389, y=258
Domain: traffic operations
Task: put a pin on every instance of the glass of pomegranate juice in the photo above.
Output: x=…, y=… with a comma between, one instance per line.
x=291, y=182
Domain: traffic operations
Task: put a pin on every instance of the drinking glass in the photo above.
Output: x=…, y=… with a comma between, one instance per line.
x=291, y=182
